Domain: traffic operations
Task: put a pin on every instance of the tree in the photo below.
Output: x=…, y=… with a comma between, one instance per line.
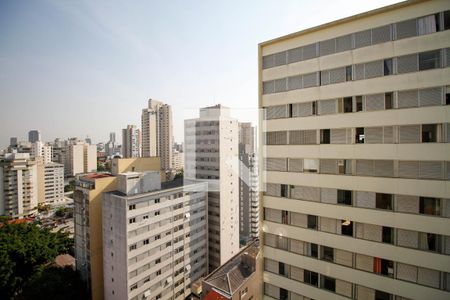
x=54, y=283
x=23, y=248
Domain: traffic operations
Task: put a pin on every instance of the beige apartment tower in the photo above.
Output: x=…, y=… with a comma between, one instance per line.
x=356, y=157
x=157, y=136
x=211, y=155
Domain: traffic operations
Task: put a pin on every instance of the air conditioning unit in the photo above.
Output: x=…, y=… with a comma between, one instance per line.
x=169, y=280
x=187, y=215
x=188, y=268
x=147, y=293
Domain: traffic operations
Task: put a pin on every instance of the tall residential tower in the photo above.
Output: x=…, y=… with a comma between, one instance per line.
x=357, y=156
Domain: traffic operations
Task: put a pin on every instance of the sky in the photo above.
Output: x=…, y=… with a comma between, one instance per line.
x=87, y=68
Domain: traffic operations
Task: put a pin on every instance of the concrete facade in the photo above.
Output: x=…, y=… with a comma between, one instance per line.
x=157, y=138
x=131, y=142
x=154, y=238
x=88, y=218
x=51, y=183
x=211, y=155
x=356, y=157
x=18, y=185
x=80, y=157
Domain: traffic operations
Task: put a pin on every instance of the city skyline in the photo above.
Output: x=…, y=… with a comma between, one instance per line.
x=102, y=63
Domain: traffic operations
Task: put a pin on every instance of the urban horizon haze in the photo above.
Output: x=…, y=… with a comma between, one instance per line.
x=86, y=69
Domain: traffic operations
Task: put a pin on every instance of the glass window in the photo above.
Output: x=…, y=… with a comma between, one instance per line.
x=359, y=103
x=310, y=165
x=384, y=201
x=429, y=133
x=388, y=101
x=344, y=197
x=388, y=235
x=446, y=20
x=328, y=283
x=430, y=60
x=311, y=277
x=327, y=253
x=429, y=206
x=347, y=227
x=348, y=104
x=312, y=222
x=325, y=136
x=359, y=137
x=388, y=70
x=348, y=73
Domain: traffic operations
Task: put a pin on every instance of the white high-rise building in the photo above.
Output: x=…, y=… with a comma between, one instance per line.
x=50, y=182
x=357, y=156
x=154, y=237
x=248, y=184
x=156, y=132
x=18, y=185
x=42, y=150
x=131, y=142
x=211, y=155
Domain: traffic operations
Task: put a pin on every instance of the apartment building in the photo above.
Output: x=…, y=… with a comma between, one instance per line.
x=50, y=183
x=154, y=237
x=157, y=138
x=80, y=157
x=356, y=156
x=248, y=184
x=178, y=160
x=88, y=197
x=40, y=149
x=131, y=142
x=34, y=136
x=239, y=278
x=18, y=185
x=211, y=155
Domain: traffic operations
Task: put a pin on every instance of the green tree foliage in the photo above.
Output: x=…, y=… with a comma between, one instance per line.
x=23, y=248
x=54, y=283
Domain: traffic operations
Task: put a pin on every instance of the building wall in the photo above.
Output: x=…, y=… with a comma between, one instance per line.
x=163, y=260
x=123, y=165
x=311, y=203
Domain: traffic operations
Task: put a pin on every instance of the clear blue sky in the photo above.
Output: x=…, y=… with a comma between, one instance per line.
x=78, y=68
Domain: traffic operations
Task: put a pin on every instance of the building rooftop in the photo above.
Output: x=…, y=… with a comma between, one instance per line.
x=96, y=176
x=229, y=277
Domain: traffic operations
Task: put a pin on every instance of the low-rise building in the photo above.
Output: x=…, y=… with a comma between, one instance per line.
x=239, y=278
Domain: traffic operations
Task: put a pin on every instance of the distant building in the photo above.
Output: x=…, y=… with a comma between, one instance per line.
x=131, y=142
x=239, y=278
x=88, y=196
x=211, y=155
x=13, y=142
x=165, y=246
x=248, y=184
x=111, y=145
x=178, y=160
x=80, y=157
x=42, y=150
x=88, y=140
x=156, y=132
x=34, y=136
x=18, y=185
x=50, y=182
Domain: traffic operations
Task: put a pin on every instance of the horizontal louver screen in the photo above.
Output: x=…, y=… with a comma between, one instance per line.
x=276, y=138
x=276, y=112
x=295, y=165
x=276, y=164
x=302, y=109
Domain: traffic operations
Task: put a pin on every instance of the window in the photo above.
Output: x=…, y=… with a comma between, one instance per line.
x=429, y=60
x=157, y=261
x=359, y=135
x=132, y=220
x=133, y=287
x=158, y=272
x=157, y=200
x=429, y=133
x=312, y=222
x=429, y=241
x=244, y=292
x=388, y=235
x=157, y=213
x=388, y=70
x=383, y=201
x=429, y=206
x=447, y=96
x=344, y=197
x=313, y=250
x=388, y=101
x=428, y=24
x=284, y=294
x=348, y=104
x=157, y=237
x=345, y=166
x=359, y=103
x=284, y=217
x=133, y=247
x=284, y=190
x=310, y=165
x=380, y=295
x=446, y=20
x=314, y=112
x=325, y=136
x=347, y=227
x=348, y=73
x=327, y=253
x=131, y=207
x=282, y=269
x=383, y=266
x=146, y=242
x=311, y=277
x=328, y=283
x=145, y=217
x=290, y=111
